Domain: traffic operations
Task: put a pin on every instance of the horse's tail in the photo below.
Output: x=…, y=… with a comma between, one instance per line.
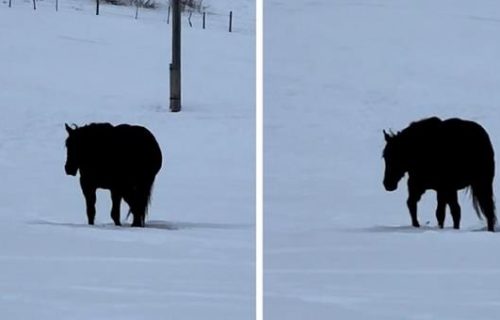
x=148, y=193
x=143, y=198
x=475, y=204
x=484, y=203
x=155, y=164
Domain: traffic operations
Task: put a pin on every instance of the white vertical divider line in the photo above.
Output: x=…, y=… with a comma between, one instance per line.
x=259, y=161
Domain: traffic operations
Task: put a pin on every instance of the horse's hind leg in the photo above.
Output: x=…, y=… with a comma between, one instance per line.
x=141, y=198
x=139, y=221
x=139, y=215
x=116, y=198
x=441, y=208
x=132, y=197
x=90, y=198
x=455, y=209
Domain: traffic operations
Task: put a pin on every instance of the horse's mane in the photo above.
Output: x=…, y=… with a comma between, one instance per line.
x=415, y=128
x=88, y=133
x=95, y=127
x=415, y=134
x=424, y=123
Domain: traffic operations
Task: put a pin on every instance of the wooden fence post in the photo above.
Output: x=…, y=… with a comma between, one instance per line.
x=230, y=21
x=97, y=8
x=34, y=5
x=204, y=20
x=168, y=15
x=175, y=66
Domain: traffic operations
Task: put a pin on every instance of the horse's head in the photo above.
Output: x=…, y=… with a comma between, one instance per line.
x=395, y=161
x=72, y=159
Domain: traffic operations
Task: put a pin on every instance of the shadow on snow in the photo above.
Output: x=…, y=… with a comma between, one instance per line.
x=154, y=224
x=421, y=229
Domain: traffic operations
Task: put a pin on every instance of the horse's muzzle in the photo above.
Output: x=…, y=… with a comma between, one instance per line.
x=390, y=186
x=70, y=171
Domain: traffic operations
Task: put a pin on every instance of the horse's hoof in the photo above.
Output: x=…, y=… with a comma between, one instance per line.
x=138, y=224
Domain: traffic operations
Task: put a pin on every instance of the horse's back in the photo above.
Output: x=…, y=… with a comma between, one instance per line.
x=471, y=144
x=466, y=152
x=452, y=152
x=468, y=136
x=139, y=146
x=452, y=134
x=120, y=153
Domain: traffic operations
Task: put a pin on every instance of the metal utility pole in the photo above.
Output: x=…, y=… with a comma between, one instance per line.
x=175, y=66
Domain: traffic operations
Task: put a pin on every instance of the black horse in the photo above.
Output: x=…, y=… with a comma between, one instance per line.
x=124, y=159
x=444, y=156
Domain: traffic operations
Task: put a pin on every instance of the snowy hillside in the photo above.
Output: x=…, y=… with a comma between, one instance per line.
x=337, y=245
x=195, y=258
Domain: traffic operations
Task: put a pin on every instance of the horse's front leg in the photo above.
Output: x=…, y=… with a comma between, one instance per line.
x=414, y=195
x=89, y=192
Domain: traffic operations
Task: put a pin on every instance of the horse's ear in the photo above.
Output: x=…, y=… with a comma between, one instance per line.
x=387, y=136
x=68, y=128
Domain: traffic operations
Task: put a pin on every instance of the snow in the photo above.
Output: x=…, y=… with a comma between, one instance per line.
x=195, y=258
x=337, y=72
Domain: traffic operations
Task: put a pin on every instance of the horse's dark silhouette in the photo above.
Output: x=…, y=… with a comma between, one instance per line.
x=444, y=156
x=124, y=159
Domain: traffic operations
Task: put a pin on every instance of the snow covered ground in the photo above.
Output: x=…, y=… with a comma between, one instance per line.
x=338, y=72
x=195, y=259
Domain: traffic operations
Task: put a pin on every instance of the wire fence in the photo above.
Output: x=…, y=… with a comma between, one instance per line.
x=230, y=21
